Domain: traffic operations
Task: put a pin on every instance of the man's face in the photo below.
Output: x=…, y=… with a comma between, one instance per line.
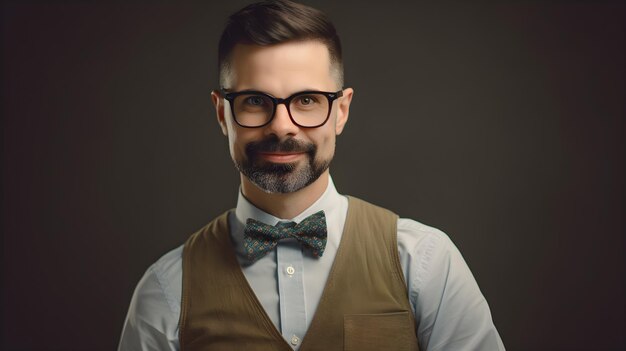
x=281, y=156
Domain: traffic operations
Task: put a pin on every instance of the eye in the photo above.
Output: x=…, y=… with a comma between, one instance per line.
x=255, y=100
x=306, y=100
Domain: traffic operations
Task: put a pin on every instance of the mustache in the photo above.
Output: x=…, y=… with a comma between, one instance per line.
x=273, y=144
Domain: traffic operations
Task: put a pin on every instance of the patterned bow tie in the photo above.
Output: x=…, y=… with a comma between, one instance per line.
x=261, y=238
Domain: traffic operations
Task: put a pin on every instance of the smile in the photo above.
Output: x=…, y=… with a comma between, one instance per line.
x=281, y=157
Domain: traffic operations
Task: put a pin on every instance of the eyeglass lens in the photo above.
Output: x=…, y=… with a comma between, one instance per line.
x=307, y=110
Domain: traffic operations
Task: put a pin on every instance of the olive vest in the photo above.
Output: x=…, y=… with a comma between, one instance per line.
x=364, y=305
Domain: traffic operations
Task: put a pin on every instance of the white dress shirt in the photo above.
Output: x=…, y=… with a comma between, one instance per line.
x=450, y=311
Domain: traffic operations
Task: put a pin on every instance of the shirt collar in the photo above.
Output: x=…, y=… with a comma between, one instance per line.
x=330, y=202
x=327, y=202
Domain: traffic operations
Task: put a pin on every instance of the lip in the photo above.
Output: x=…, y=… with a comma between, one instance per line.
x=281, y=157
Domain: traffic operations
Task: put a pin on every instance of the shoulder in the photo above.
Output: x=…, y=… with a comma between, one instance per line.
x=162, y=282
x=170, y=262
x=413, y=237
x=152, y=318
x=449, y=307
x=426, y=253
x=416, y=236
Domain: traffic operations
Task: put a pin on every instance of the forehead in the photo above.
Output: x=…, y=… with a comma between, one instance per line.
x=282, y=68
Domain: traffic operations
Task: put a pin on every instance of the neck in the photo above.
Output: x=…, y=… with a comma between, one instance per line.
x=287, y=205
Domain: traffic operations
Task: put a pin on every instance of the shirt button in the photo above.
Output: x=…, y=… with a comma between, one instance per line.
x=295, y=340
x=291, y=271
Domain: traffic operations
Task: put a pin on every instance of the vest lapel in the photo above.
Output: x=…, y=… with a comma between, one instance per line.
x=364, y=296
x=218, y=306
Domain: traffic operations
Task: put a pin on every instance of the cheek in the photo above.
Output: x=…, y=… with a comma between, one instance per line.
x=326, y=143
x=234, y=136
x=238, y=138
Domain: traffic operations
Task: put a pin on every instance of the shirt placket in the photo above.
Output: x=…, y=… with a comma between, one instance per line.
x=289, y=267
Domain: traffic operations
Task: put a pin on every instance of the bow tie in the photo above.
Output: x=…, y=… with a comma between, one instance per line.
x=261, y=238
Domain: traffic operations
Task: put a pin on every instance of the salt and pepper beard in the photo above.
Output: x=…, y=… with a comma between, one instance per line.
x=281, y=177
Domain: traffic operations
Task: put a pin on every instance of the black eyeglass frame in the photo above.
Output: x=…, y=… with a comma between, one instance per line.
x=331, y=96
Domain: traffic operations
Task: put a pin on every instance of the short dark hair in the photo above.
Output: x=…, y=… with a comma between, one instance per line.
x=274, y=22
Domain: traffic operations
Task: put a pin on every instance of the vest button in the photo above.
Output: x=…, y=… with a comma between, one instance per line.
x=291, y=270
x=295, y=340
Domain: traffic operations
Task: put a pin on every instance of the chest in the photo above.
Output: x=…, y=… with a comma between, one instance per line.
x=362, y=299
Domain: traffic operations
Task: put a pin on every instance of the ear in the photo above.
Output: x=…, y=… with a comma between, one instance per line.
x=218, y=102
x=343, y=109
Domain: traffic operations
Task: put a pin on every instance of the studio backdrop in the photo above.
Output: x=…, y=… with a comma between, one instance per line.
x=501, y=124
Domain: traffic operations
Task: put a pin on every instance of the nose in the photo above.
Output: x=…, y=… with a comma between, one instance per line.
x=281, y=125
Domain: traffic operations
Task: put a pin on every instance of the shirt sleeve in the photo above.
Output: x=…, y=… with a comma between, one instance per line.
x=152, y=319
x=450, y=311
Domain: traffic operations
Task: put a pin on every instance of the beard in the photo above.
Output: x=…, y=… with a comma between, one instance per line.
x=281, y=177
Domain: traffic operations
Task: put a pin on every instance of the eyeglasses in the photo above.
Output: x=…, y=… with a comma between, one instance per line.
x=307, y=109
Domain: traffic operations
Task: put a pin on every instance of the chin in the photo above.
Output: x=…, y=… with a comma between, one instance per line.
x=282, y=178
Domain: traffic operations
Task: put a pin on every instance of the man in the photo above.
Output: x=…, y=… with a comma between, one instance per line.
x=297, y=265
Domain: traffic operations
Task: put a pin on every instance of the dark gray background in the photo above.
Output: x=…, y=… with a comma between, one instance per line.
x=501, y=124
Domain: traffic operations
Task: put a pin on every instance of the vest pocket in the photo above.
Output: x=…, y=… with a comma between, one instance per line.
x=382, y=331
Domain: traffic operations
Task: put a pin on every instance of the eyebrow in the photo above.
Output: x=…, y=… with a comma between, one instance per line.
x=265, y=92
